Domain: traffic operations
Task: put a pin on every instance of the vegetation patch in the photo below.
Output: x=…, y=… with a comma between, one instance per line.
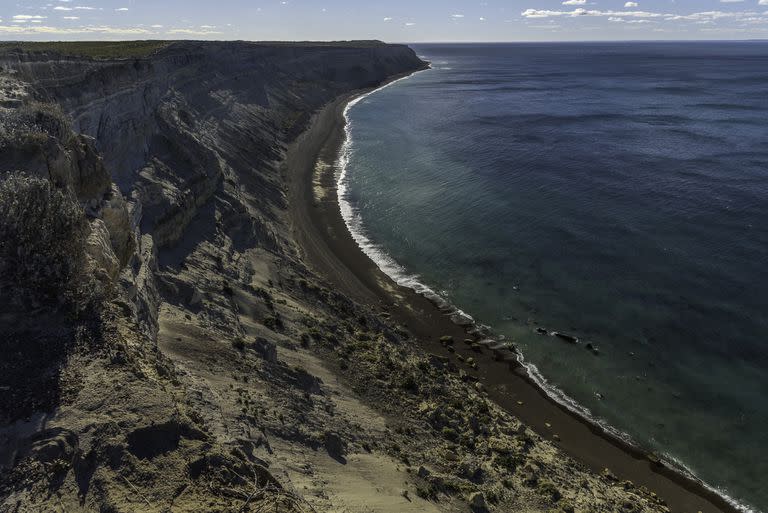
x=43, y=233
x=92, y=49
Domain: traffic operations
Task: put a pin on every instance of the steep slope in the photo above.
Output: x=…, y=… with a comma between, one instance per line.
x=222, y=374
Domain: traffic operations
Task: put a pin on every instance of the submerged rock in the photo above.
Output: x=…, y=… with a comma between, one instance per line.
x=566, y=337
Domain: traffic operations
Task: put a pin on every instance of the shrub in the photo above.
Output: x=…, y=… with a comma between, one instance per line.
x=273, y=322
x=429, y=492
x=549, y=490
x=450, y=433
x=238, y=343
x=43, y=234
x=267, y=297
x=510, y=462
x=31, y=124
x=408, y=382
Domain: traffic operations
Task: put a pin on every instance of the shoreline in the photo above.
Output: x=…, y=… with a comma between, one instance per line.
x=331, y=250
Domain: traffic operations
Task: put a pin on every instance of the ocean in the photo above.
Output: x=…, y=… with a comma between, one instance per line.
x=617, y=192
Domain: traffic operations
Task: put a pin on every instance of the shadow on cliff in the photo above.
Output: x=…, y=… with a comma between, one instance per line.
x=33, y=359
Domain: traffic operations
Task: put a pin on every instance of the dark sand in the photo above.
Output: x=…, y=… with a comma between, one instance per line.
x=330, y=250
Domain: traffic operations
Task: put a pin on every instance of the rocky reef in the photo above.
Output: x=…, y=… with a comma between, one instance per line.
x=217, y=372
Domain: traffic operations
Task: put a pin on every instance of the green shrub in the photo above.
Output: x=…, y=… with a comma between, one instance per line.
x=43, y=234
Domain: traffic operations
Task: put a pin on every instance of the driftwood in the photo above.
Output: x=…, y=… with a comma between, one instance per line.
x=136, y=490
x=269, y=495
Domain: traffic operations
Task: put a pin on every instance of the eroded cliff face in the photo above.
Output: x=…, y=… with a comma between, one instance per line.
x=195, y=125
x=174, y=127
x=224, y=374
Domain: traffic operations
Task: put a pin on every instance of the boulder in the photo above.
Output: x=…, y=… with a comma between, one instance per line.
x=461, y=319
x=196, y=298
x=266, y=349
x=335, y=446
x=438, y=362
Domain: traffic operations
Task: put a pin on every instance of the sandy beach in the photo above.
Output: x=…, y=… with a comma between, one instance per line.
x=330, y=250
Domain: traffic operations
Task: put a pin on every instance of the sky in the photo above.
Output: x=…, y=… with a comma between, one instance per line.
x=388, y=20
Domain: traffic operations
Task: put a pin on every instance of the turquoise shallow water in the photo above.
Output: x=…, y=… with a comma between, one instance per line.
x=618, y=192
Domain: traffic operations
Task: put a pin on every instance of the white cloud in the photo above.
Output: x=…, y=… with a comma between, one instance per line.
x=122, y=9
x=156, y=26
x=731, y=1
x=636, y=22
x=193, y=32
x=574, y=2
x=390, y=19
x=536, y=13
x=44, y=29
x=711, y=16
x=28, y=17
x=84, y=8
x=633, y=15
x=409, y=24
x=457, y=16
x=62, y=8
x=71, y=17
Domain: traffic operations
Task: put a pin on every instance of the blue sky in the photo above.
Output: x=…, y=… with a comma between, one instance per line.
x=389, y=20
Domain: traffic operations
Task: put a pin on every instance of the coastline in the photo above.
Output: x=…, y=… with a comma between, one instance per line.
x=331, y=250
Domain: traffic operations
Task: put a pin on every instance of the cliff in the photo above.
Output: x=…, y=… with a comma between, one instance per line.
x=219, y=373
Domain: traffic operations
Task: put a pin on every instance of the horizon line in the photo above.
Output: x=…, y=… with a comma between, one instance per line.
x=519, y=41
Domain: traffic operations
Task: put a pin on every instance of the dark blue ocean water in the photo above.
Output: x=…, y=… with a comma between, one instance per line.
x=618, y=192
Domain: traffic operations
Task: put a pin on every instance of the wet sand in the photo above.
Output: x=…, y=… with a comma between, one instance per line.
x=328, y=247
